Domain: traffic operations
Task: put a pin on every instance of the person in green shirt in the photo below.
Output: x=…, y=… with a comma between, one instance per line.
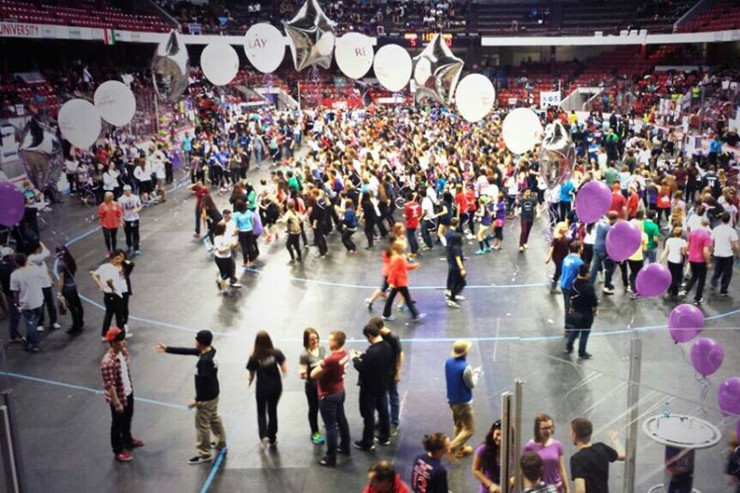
x=611, y=174
x=652, y=231
x=293, y=182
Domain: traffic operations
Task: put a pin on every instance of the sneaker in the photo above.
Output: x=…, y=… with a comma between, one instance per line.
x=389, y=318
x=585, y=356
x=40, y=328
x=129, y=334
x=55, y=326
x=479, y=252
x=419, y=317
x=326, y=463
x=361, y=446
x=700, y=301
x=124, y=456
x=137, y=252
x=317, y=438
x=724, y=295
x=368, y=304
x=71, y=331
x=459, y=298
x=235, y=285
x=32, y=349
x=402, y=308
x=521, y=248
x=394, y=431
x=136, y=443
x=200, y=459
x=383, y=441
x=452, y=304
x=682, y=293
x=608, y=291
x=344, y=451
x=567, y=351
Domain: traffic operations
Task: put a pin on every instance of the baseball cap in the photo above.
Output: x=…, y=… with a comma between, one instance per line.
x=115, y=334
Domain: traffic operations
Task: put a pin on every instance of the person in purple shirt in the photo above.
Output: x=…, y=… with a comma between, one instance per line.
x=551, y=452
x=487, y=461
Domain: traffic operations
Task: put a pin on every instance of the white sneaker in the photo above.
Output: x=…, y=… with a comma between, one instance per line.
x=129, y=334
x=452, y=304
x=56, y=326
x=40, y=328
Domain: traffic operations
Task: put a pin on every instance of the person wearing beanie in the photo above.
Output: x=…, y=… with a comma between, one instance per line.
x=119, y=393
x=207, y=390
x=461, y=380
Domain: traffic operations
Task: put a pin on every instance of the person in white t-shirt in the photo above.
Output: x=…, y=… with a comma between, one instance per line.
x=725, y=248
x=427, y=215
x=131, y=205
x=223, y=244
x=26, y=284
x=111, y=279
x=675, y=252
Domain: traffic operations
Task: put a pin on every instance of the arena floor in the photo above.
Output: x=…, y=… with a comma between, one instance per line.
x=509, y=313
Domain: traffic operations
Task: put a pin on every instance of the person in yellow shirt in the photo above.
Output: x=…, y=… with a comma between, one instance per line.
x=636, y=261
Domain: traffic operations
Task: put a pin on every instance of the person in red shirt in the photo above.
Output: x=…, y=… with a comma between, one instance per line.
x=110, y=214
x=412, y=210
x=619, y=203
x=200, y=191
x=383, y=478
x=461, y=203
x=472, y=208
x=633, y=203
x=398, y=281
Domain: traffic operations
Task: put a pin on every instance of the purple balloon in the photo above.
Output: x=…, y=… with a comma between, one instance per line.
x=653, y=280
x=707, y=356
x=12, y=204
x=175, y=160
x=685, y=322
x=623, y=240
x=729, y=396
x=593, y=201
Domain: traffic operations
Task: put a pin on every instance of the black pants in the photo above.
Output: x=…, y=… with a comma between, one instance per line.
x=426, y=236
x=567, y=293
x=406, y=296
x=50, y=305
x=455, y=281
x=676, y=277
x=722, y=270
x=131, y=228
x=526, y=227
x=370, y=231
x=587, y=254
x=312, y=396
x=347, y=239
x=110, y=238
x=114, y=305
x=75, y=307
x=635, y=266
x=582, y=332
x=226, y=268
x=564, y=210
x=320, y=240
x=248, y=241
x=294, y=246
x=623, y=270
x=198, y=219
x=267, y=417
x=558, y=271
x=369, y=404
x=120, y=428
x=699, y=277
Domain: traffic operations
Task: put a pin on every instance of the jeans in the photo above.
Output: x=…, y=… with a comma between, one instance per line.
x=723, y=271
x=652, y=255
x=312, y=396
x=50, y=305
x=208, y=421
x=114, y=305
x=582, y=332
x=120, y=428
x=332, y=413
x=75, y=307
x=369, y=403
x=404, y=290
x=411, y=237
x=31, y=319
x=464, y=427
x=267, y=417
x=394, y=401
x=109, y=234
x=698, y=275
x=131, y=229
x=426, y=226
x=601, y=259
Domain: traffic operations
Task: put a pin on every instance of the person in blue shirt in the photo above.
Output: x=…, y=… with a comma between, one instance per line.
x=244, y=220
x=566, y=199
x=600, y=257
x=568, y=274
x=715, y=149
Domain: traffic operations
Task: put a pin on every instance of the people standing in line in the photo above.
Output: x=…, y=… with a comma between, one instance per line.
x=700, y=258
x=395, y=372
x=486, y=465
x=373, y=368
x=200, y=191
x=111, y=280
x=26, y=284
x=383, y=478
x=66, y=270
x=119, y=394
x=312, y=353
x=329, y=373
x=39, y=254
x=725, y=249
x=207, y=393
x=110, y=214
x=461, y=379
x=589, y=467
x=583, y=308
x=131, y=205
x=398, y=268
x=551, y=453
x=428, y=475
x=601, y=258
x=557, y=252
x=569, y=269
x=531, y=465
x=223, y=244
x=456, y=273
x=265, y=364
x=528, y=206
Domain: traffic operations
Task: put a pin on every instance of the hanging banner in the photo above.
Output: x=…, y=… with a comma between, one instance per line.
x=549, y=98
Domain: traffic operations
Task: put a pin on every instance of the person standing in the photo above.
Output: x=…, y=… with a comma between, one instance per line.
x=223, y=244
x=7, y=267
x=383, y=478
x=26, y=284
x=329, y=373
x=395, y=372
x=200, y=191
x=428, y=475
x=66, y=269
x=207, y=392
x=131, y=205
x=571, y=263
x=293, y=222
x=309, y=359
x=372, y=367
x=583, y=307
x=461, y=380
x=725, y=248
x=589, y=467
x=398, y=281
x=700, y=258
x=244, y=219
x=109, y=213
x=675, y=251
x=38, y=258
x=528, y=209
x=652, y=231
x=265, y=364
x=601, y=257
x=486, y=465
x=456, y=272
x=531, y=465
x=557, y=252
x=551, y=453
x=119, y=394
x=111, y=280
x=412, y=211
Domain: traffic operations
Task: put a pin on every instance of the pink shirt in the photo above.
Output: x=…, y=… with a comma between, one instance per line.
x=699, y=239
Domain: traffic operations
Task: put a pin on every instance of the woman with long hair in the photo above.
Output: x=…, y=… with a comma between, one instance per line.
x=558, y=251
x=110, y=214
x=265, y=364
x=551, y=452
x=312, y=353
x=487, y=461
x=211, y=216
x=67, y=287
x=222, y=247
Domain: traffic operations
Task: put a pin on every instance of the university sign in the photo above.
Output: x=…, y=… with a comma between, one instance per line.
x=19, y=30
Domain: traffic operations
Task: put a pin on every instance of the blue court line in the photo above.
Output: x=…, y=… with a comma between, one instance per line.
x=214, y=470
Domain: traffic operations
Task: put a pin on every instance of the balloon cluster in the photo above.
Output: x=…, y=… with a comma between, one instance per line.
x=42, y=156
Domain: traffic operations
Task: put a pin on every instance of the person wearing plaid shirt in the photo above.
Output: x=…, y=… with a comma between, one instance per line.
x=119, y=394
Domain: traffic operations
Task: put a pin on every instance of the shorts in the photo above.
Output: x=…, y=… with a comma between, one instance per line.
x=384, y=286
x=226, y=267
x=498, y=232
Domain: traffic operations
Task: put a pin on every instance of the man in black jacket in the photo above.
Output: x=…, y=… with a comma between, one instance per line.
x=207, y=419
x=373, y=367
x=583, y=307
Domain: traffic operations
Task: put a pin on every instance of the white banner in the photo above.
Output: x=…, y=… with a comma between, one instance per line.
x=549, y=98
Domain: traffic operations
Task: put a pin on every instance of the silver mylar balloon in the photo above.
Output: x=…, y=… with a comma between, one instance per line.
x=42, y=156
x=310, y=36
x=170, y=68
x=557, y=155
x=436, y=72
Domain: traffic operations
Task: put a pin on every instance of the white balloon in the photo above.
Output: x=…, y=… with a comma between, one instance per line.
x=392, y=67
x=474, y=97
x=354, y=54
x=219, y=62
x=79, y=122
x=265, y=47
x=115, y=102
x=521, y=129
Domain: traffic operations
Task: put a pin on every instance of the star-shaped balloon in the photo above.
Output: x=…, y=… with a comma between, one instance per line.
x=310, y=36
x=557, y=155
x=170, y=68
x=436, y=72
x=41, y=153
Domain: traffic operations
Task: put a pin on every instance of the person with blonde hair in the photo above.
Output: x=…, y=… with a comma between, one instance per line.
x=110, y=214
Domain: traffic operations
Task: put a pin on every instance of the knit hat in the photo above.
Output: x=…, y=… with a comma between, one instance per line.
x=204, y=337
x=460, y=348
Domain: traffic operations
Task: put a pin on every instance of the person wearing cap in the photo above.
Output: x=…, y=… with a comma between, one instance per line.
x=131, y=205
x=119, y=394
x=207, y=391
x=461, y=380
